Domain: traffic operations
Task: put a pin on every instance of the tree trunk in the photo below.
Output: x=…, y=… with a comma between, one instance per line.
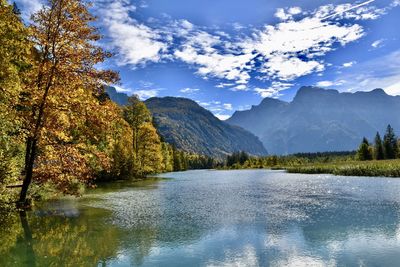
x=29, y=163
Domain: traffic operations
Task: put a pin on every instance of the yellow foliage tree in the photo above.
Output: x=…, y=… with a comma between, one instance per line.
x=63, y=111
x=14, y=64
x=147, y=155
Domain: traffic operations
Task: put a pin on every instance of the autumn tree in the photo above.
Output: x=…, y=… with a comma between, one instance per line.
x=168, y=157
x=364, y=151
x=60, y=103
x=145, y=140
x=14, y=65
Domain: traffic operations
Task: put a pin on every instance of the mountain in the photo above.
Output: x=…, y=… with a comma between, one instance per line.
x=320, y=120
x=188, y=126
x=119, y=98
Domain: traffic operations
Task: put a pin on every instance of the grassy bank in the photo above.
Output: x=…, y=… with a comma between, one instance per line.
x=387, y=168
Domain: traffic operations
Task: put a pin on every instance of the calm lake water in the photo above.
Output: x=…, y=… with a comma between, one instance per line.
x=215, y=218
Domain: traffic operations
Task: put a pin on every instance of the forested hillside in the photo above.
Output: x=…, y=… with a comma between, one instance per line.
x=188, y=126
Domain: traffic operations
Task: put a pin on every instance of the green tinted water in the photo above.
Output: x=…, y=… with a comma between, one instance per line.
x=215, y=218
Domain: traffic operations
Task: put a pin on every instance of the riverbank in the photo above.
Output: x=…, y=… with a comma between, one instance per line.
x=381, y=168
x=386, y=168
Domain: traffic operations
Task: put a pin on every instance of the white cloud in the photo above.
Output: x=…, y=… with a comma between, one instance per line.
x=382, y=72
x=121, y=89
x=199, y=49
x=222, y=117
x=237, y=26
x=324, y=83
x=348, y=64
x=377, y=43
x=281, y=52
x=281, y=14
x=274, y=90
x=286, y=68
x=361, y=11
x=228, y=106
x=393, y=89
x=285, y=51
x=145, y=94
x=294, y=10
x=219, y=109
x=189, y=90
x=281, y=46
x=240, y=87
x=223, y=85
x=136, y=43
x=187, y=25
x=29, y=7
x=287, y=13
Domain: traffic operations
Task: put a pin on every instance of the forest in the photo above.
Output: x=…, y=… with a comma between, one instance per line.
x=59, y=130
x=380, y=158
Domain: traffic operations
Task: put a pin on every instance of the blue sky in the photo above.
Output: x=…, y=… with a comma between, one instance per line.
x=230, y=54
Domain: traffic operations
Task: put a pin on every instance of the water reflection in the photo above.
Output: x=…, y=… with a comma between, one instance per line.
x=215, y=218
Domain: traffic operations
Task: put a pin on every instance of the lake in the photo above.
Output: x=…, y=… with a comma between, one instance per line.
x=214, y=218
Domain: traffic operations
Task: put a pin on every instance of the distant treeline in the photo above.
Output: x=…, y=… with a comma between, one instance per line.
x=241, y=159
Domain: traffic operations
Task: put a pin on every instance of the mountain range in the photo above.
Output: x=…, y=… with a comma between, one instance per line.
x=319, y=120
x=191, y=128
x=316, y=120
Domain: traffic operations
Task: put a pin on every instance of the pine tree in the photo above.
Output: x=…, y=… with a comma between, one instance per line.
x=364, y=151
x=378, y=148
x=16, y=9
x=390, y=143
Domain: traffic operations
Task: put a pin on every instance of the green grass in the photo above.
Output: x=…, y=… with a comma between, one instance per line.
x=387, y=168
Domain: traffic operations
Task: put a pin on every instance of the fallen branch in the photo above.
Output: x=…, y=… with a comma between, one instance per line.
x=14, y=186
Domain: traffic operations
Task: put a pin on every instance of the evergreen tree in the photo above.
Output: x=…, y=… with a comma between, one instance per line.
x=364, y=150
x=390, y=143
x=16, y=10
x=378, y=148
x=243, y=157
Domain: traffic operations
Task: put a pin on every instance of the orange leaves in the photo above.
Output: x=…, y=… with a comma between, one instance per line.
x=63, y=112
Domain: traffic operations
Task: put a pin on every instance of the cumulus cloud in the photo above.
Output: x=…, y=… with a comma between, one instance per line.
x=290, y=49
x=135, y=43
x=287, y=13
x=199, y=49
x=281, y=52
x=274, y=90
